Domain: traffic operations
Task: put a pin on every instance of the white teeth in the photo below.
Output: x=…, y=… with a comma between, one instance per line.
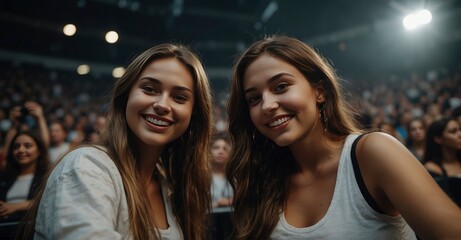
x=279, y=121
x=157, y=122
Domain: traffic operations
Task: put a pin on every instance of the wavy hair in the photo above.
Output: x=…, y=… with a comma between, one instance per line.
x=184, y=161
x=258, y=201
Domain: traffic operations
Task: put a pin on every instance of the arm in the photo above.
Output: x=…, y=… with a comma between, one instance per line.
x=81, y=201
x=400, y=184
x=36, y=110
x=10, y=208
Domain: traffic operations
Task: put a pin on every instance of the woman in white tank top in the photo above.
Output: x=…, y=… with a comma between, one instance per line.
x=295, y=172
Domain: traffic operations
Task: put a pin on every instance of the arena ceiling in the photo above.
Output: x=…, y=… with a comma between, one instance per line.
x=358, y=36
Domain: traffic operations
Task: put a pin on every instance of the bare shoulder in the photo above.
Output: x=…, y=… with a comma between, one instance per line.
x=381, y=154
x=377, y=143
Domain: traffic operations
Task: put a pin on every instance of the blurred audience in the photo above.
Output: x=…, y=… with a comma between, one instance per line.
x=27, y=163
x=389, y=128
x=443, y=148
x=416, y=139
x=59, y=145
x=221, y=191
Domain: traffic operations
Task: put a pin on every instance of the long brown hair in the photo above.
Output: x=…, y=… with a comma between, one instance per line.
x=258, y=201
x=185, y=160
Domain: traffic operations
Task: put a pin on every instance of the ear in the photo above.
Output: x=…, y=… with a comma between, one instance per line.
x=319, y=95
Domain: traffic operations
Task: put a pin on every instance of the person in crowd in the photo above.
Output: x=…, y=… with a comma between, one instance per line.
x=443, y=148
x=301, y=169
x=59, y=145
x=221, y=191
x=416, y=139
x=389, y=128
x=149, y=176
x=29, y=116
x=27, y=163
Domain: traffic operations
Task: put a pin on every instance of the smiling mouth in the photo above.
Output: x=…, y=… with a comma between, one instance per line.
x=280, y=121
x=158, y=122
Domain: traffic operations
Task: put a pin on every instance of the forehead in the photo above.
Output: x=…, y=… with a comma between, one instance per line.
x=265, y=67
x=169, y=71
x=24, y=138
x=452, y=124
x=220, y=142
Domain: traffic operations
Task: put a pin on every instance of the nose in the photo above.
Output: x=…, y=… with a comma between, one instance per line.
x=269, y=103
x=162, y=105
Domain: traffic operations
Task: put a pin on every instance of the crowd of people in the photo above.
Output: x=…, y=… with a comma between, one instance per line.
x=238, y=136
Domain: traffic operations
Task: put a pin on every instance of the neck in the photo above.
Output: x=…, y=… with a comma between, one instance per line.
x=219, y=169
x=28, y=169
x=147, y=163
x=312, y=153
x=419, y=144
x=449, y=156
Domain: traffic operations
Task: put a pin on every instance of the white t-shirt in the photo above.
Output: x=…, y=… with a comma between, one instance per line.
x=19, y=191
x=85, y=199
x=56, y=152
x=220, y=188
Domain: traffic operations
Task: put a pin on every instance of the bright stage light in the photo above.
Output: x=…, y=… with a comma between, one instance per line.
x=111, y=37
x=69, y=29
x=118, y=72
x=83, y=69
x=417, y=19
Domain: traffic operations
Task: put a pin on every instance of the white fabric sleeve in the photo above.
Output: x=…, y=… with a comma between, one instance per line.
x=81, y=199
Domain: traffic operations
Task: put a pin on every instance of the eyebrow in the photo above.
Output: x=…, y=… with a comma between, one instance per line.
x=273, y=78
x=156, y=81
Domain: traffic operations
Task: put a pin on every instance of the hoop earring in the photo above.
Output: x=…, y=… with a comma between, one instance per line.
x=255, y=140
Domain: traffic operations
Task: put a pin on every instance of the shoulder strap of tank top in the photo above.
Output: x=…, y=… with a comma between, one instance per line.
x=359, y=178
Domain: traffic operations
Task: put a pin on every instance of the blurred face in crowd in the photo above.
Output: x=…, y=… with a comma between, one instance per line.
x=25, y=150
x=57, y=133
x=417, y=131
x=220, y=150
x=451, y=136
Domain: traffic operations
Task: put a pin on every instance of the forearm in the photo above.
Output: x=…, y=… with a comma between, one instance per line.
x=22, y=206
x=44, y=132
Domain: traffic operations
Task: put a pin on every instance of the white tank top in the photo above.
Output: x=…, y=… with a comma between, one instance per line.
x=349, y=215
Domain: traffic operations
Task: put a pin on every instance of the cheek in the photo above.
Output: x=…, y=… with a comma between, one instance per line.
x=254, y=115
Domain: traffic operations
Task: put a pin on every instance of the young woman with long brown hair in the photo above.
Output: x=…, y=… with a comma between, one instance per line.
x=300, y=167
x=149, y=176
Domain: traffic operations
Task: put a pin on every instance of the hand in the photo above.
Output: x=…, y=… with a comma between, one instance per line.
x=35, y=109
x=224, y=202
x=7, y=209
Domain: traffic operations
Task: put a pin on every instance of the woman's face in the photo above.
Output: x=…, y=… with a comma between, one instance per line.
x=451, y=136
x=220, y=150
x=417, y=131
x=160, y=103
x=282, y=103
x=25, y=150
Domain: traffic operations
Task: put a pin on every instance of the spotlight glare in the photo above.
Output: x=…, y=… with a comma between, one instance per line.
x=111, y=37
x=424, y=16
x=417, y=19
x=69, y=30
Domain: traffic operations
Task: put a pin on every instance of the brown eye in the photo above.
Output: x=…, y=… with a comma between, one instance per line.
x=281, y=87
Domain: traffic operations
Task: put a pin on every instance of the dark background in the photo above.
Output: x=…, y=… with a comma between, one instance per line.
x=362, y=38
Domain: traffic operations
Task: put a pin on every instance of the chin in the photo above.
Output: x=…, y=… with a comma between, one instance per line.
x=282, y=142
